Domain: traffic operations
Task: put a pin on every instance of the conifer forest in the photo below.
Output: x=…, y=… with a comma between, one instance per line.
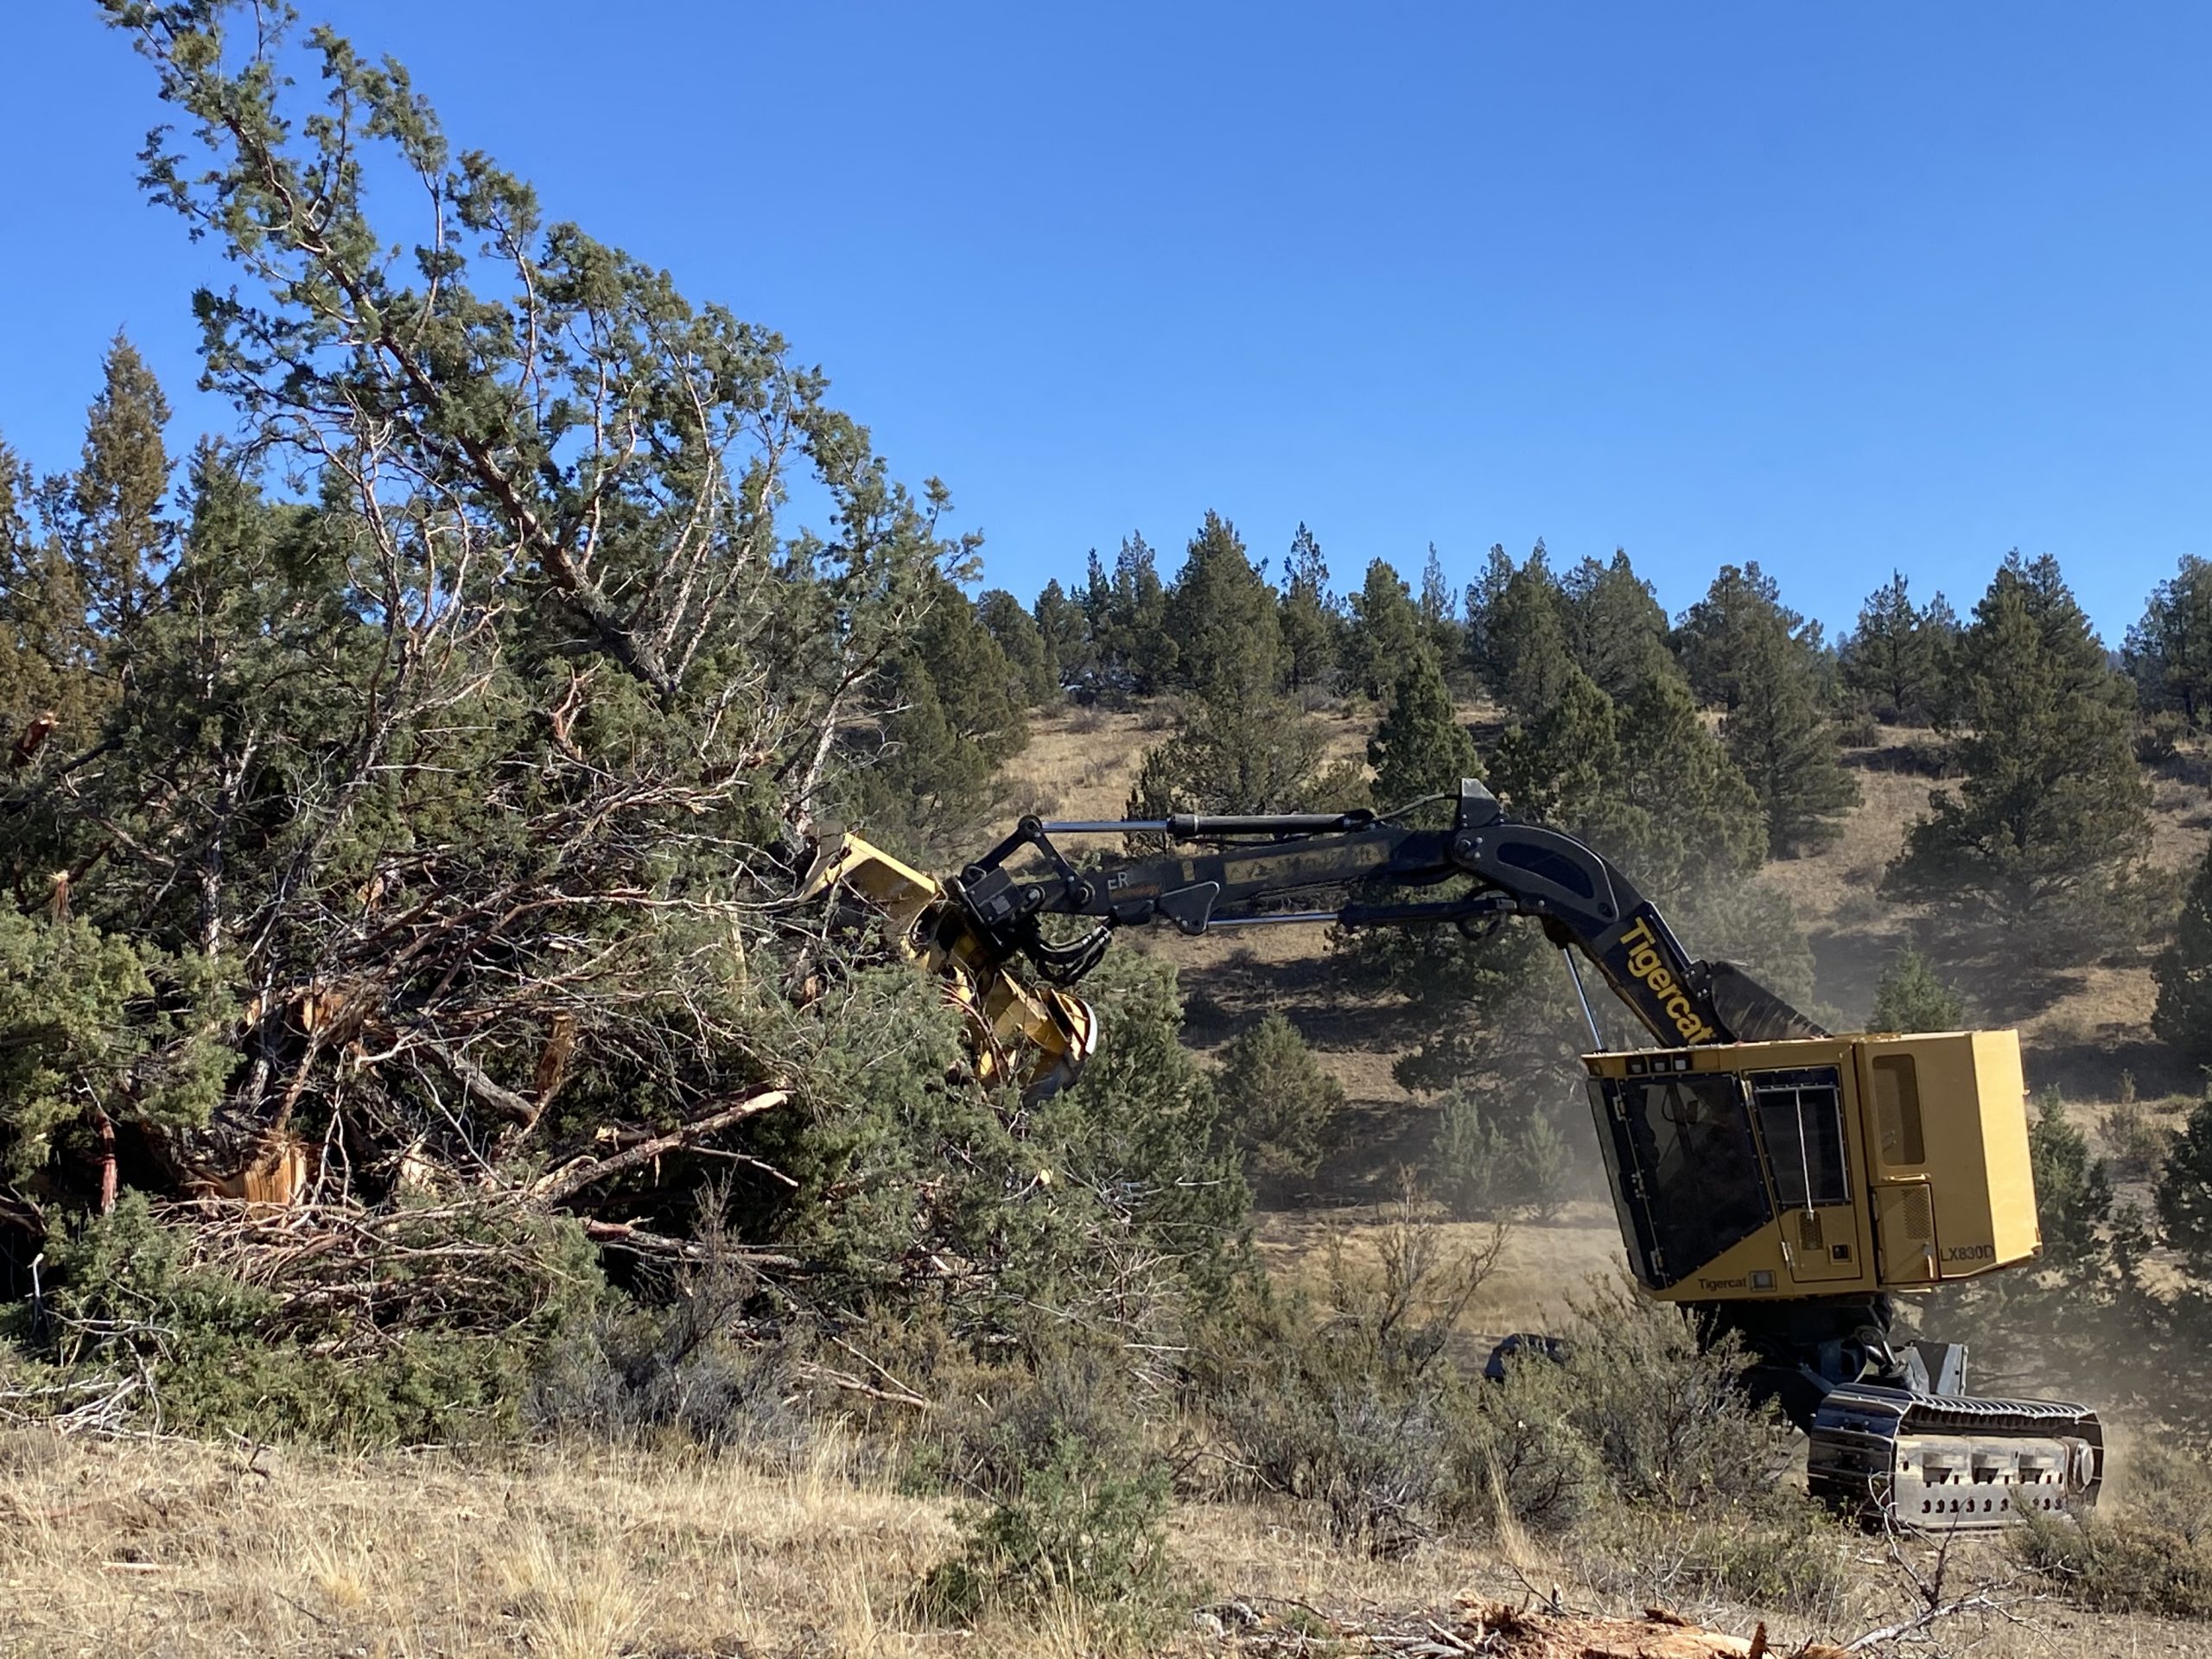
x=463, y=1192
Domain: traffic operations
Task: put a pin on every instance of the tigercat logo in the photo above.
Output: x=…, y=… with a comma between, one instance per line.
x=1724, y=1284
x=1648, y=965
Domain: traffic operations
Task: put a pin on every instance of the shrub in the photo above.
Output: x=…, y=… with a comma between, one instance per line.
x=2158, y=739
x=1471, y=1167
x=1909, y=996
x=1858, y=731
x=1080, y=1524
x=2072, y=1190
x=214, y=1354
x=1543, y=1167
x=1283, y=1109
x=1778, y=1550
x=676, y=1364
x=2138, y=1146
x=2153, y=1554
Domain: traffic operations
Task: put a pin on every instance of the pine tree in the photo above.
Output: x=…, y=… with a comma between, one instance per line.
x=1783, y=743
x=1717, y=634
x=1036, y=680
x=1420, y=748
x=1384, y=634
x=1896, y=659
x=2169, y=654
x=2051, y=827
x=2183, y=1016
x=1615, y=626
x=1309, y=622
x=1910, y=996
x=1221, y=615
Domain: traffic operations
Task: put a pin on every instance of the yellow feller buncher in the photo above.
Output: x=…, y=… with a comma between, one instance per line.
x=1781, y=1182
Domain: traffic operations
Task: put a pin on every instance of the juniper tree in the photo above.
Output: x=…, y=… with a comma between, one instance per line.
x=51, y=689
x=2051, y=828
x=1382, y=635
x=2168, y=652
x=1480, y=603
x=1065, y=637
x=1283, y=1110
x=1126, y=615
x=1308, y=619
x=1036, y=677
x=1615, y=626
x=1527, y=643
x=466, y=774
x=1420, y=748
x=1221, y=614
x=1439, y=624
x=109, y=511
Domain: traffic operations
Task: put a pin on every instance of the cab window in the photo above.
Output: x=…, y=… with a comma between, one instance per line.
x=1897, y=1110
x=1800, y=1117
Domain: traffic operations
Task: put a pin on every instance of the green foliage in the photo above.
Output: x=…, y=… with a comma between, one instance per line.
x=1471, y=1162
x=2168, y=652
x=216, y=1356
x=1420, y=748
x=1718, y=635
x=1912, y=996
x=1282, y=1108
x=926, y=779
x=2184, y=1191
x=2048, y=838
x=2154, y=1556
x=1125, y=615
x=1382, y=635
x=1265, y=758
x=1308, y=620
x=2072, y=1190
x=1781, y=739
x=1527, y=659
x=1615, y=626
x=1897, y=661
x=92, y=1028
x=1082, y=1527
x=1221, y=614
x=1034, y=666
x=2183, y=1015
x=1063, y=636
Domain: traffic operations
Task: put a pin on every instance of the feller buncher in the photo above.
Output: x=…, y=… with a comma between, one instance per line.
x=1780, y=1182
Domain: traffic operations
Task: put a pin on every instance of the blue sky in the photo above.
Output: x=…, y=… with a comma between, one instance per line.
x=1833, y=287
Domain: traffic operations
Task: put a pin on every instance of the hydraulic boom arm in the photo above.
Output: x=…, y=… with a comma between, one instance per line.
x=1249, y=866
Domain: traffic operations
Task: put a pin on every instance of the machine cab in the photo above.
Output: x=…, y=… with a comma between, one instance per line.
x=1817, y=1166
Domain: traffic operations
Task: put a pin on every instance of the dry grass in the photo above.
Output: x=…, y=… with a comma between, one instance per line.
x=179, y=1550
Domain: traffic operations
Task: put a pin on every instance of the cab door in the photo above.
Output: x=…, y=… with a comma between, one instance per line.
x=1802, y=1137
x=1904, y=1195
